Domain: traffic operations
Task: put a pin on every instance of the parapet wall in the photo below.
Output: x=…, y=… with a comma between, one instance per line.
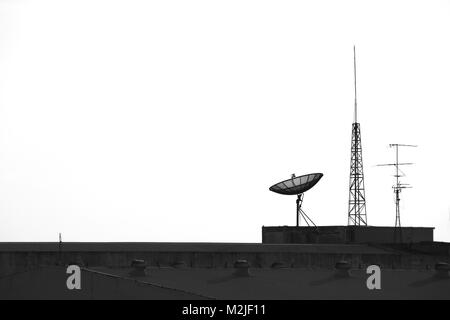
x=346, y=234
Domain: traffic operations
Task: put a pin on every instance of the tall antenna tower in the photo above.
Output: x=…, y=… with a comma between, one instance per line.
x=357, y=200
x=398, y=188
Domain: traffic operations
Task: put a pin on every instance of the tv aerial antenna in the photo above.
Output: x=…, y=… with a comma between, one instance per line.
x=398, y=187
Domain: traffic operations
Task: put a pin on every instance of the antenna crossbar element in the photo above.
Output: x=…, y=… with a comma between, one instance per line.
x=394, y=164
x=402, y=145
x=357, y=214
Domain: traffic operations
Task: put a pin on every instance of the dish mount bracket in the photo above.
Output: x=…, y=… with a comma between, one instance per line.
x=301, y=213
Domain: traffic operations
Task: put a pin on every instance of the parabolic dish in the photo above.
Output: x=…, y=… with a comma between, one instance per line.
x=297, y=185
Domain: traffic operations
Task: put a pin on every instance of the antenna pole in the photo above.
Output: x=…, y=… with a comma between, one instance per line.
x=397, y=190
x=60, y=249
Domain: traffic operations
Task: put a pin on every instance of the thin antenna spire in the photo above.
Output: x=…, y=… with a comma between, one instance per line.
x=354, y=76
x=60, y=249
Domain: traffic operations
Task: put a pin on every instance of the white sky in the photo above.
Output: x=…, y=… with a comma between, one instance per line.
x=169, y=120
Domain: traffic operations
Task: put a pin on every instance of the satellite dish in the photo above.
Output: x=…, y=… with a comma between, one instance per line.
x=298, y=186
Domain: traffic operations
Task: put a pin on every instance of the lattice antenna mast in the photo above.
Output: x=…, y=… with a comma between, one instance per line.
x=357, y=214
x=398, y=188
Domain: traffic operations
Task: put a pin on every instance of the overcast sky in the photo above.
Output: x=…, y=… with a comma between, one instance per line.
x=170, y=120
